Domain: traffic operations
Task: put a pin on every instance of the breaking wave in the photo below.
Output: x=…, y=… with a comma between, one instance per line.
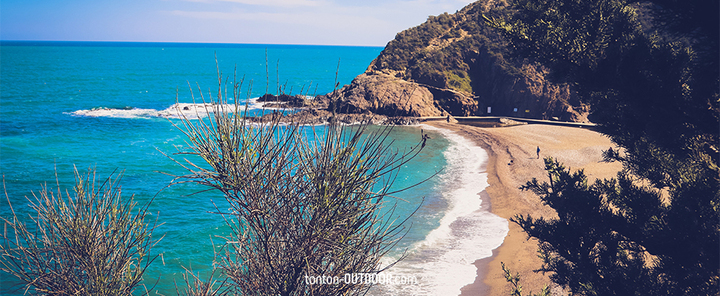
x=443, y=262
x=178, y=110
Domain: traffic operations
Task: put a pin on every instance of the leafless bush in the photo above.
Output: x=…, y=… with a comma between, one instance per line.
x=195, y=286
x=87, y=243
x=304, y=201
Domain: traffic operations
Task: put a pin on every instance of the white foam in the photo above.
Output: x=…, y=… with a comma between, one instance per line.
x=189, y=110
x=116, y=113
x=443, y=261
x=194, y=111
x=254, y=104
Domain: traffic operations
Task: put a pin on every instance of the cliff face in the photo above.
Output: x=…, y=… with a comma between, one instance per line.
x=454, y=64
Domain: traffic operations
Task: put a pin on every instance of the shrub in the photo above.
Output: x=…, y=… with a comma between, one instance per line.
x=305, y=202
x=87, y=243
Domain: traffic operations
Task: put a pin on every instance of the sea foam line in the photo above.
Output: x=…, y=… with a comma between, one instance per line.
x=189, y=110
x=443, y=261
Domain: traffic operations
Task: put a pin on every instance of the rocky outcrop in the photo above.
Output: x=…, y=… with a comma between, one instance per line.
x=283, y=101
x=315, y=116
x=382, y=94
x=528, y=95
x=454, y=64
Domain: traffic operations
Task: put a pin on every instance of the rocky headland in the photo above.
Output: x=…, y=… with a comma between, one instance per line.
x=453, y=64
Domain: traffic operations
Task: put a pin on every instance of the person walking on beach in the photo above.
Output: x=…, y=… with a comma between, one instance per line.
x=538, y=152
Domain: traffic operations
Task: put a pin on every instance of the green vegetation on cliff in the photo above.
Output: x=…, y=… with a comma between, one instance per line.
x=463, y=61
x=443, y=51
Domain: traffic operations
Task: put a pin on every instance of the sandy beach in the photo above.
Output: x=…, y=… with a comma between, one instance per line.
x=512, y=162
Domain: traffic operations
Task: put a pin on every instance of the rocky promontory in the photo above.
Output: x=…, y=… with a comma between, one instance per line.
x=453, y=64
x=382, y=94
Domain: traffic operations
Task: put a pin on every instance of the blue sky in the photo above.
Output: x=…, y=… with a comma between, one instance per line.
x=325, y=22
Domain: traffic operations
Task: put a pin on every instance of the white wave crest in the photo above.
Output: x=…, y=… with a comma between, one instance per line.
x=178, y=110
x=443, y=261
x=194, y=111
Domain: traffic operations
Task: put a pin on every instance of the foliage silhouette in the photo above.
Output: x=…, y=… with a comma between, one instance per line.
x=650, y=74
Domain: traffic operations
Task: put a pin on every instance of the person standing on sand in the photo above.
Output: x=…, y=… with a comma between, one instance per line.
x=538, y=152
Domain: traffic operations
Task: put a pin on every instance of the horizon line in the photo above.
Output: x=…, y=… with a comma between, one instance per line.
x=190, y=42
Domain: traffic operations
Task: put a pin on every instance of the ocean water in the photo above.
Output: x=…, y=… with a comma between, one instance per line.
x=108, y=106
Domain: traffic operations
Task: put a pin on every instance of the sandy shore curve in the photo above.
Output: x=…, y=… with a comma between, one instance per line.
x=512, y=162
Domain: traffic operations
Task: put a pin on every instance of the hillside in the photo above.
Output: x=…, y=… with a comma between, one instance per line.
x=454, y=63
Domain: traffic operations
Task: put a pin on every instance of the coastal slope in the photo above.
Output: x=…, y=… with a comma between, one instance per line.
x=453, y=64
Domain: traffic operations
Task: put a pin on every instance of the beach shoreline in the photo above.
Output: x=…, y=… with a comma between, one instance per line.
x=465, y=230
x=512, y=161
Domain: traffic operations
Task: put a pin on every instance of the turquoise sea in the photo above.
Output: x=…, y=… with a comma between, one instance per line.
x=103, y=105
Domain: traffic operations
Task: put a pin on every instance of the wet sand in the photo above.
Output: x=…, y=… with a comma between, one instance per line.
x=512, y=162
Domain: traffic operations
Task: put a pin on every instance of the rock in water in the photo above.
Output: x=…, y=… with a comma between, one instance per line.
x=386, y=95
